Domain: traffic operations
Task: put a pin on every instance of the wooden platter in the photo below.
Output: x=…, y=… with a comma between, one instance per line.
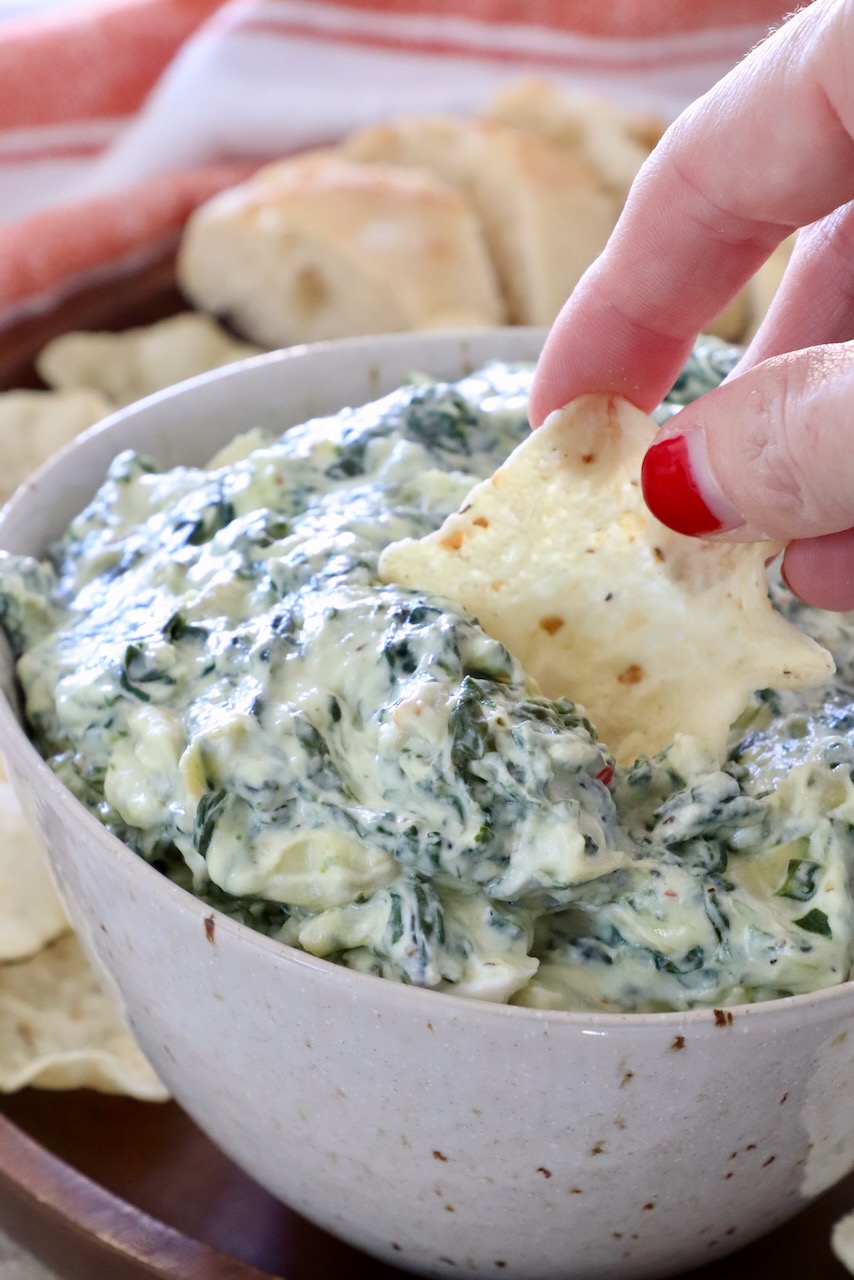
x=99, y=1186
x=140, y=297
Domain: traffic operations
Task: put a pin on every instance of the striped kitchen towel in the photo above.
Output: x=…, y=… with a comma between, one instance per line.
x=116, y=121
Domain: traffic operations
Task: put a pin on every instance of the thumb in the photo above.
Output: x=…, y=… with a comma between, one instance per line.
x=768, y=454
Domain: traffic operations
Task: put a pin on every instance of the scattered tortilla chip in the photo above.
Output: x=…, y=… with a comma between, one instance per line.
x=31, y=913
x=35, y=424
x=842, y=1241
x=59, y=1031
x=127, y=366
x=651, y=632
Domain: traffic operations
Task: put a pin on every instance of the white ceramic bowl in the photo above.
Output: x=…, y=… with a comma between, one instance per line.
x=443, y=1135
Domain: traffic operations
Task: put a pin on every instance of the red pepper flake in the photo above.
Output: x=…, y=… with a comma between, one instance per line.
x=678, y=1042
x=587, y=458
x=551, y=624
x=605, y=775
x=547, y=1173
x=481, y=522
x=723, y=1017
x=210, y=928
x=438, y=1155
x=454, y=540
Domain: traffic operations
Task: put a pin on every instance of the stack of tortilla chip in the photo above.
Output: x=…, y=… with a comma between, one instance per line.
x=58, y=1030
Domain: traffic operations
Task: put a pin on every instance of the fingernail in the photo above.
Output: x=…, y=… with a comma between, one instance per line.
x=680, y=490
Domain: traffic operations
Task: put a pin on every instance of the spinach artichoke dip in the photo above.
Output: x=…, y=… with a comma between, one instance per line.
x=210, y=663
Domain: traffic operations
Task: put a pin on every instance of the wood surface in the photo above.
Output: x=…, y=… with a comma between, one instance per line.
x=105, y=1188
x=141, y=298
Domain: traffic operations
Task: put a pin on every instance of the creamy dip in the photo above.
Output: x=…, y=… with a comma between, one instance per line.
x=210, y=664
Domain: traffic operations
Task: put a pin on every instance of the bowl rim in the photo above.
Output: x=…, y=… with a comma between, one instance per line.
x=15, y=742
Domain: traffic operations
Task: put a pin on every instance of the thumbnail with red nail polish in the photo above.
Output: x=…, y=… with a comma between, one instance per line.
x=672, y=493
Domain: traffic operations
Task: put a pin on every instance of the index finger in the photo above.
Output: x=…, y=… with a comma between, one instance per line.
x=767, y=150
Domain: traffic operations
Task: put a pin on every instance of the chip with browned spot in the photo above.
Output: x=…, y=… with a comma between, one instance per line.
x=560, y=559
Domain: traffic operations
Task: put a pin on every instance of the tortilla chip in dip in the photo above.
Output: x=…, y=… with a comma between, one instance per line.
x=651, y=632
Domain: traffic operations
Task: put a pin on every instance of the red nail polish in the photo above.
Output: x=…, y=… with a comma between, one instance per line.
x=672, y=493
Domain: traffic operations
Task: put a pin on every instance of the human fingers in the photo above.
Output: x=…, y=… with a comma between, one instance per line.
x=815, y=301
x=821, y=570
x=769, y=149
x=765, y=455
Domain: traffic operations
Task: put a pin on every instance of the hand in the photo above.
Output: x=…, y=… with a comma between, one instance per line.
x=770, y=453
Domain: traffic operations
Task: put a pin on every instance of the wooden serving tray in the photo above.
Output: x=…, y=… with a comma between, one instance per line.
x=99, y=1186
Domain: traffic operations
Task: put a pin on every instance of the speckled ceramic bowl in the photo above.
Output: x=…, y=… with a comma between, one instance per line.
x=445, y=1136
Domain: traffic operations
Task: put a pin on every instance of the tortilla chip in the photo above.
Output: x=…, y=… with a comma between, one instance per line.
x=59, y=1031
x=35, y=424
x=842, y=1241
x=31, y=913
x=559, y=558
x=127, y=366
